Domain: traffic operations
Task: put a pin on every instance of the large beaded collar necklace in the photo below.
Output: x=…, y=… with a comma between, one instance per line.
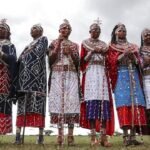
x=145, y=50
x=91, y=43
x=120, y=46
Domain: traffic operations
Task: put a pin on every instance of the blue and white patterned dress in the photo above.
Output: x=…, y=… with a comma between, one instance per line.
x=31, y=83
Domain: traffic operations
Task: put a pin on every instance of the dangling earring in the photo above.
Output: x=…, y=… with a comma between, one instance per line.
x=117, y=38
x=143, y=43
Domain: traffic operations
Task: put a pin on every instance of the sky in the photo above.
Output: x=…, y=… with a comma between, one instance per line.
x=21, y=15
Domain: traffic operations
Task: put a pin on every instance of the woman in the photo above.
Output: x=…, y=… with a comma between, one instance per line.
x=96, y=109
x=145, y=54
x=64, y=83
x=123, y=64
x=7, y=70
x=31, y=84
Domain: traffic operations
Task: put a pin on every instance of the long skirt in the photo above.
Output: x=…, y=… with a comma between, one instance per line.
x=96, y=93
x=31, y=110
x=96, y=109
x=124, y=102
x=5, y=114
x=146, y=83
x=64, y=97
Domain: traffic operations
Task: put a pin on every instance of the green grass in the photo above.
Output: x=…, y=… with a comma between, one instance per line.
x=82, y=143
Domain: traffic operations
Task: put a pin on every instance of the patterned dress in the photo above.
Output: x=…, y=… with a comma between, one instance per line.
x=31, y=84
x=7, y=68
x=94, y=84
x=145, y=51
x=64, y=85
x=126, y=85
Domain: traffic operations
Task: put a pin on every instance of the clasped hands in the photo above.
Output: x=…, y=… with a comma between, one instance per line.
x=66, y=49
x=146, y=60
x=129, y=54
x=97, y=49
x=64, y=46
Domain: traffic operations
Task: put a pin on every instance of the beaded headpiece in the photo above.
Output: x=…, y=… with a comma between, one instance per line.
x=38, y=26
x=145, y=32
x=65, y=24
x=4, y=24
x=95, y=25
x=120, y=27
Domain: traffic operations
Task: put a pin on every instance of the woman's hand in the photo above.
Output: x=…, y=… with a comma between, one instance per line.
x=97, y=49
x=129, y=54
x=66, y=49
x=146, y=60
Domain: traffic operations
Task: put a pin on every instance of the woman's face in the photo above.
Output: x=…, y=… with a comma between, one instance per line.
x=3, y=33
x=121, y=33
x=65, y=31
x=147, y=38
x=95, y=33
x=35, y=33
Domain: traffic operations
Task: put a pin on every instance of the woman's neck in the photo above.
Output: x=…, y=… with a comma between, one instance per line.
x=146, y=44
x=121, y=41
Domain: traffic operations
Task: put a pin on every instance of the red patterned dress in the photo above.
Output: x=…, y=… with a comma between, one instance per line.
x=7, y=68
x=97, y=104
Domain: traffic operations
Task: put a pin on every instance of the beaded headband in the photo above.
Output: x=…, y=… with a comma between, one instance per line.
x=95, y=25
x=65, y=24
x=38, y=26
x=4, y=25
x=120, y=27
x=145, y=32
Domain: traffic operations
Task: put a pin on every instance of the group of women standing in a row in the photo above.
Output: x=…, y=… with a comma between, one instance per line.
x=118, y=68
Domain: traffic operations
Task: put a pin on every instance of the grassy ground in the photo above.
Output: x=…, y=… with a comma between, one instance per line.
x=82, y=143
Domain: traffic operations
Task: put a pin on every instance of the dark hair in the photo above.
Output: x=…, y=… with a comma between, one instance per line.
x=113, y=35
x=142, y=43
